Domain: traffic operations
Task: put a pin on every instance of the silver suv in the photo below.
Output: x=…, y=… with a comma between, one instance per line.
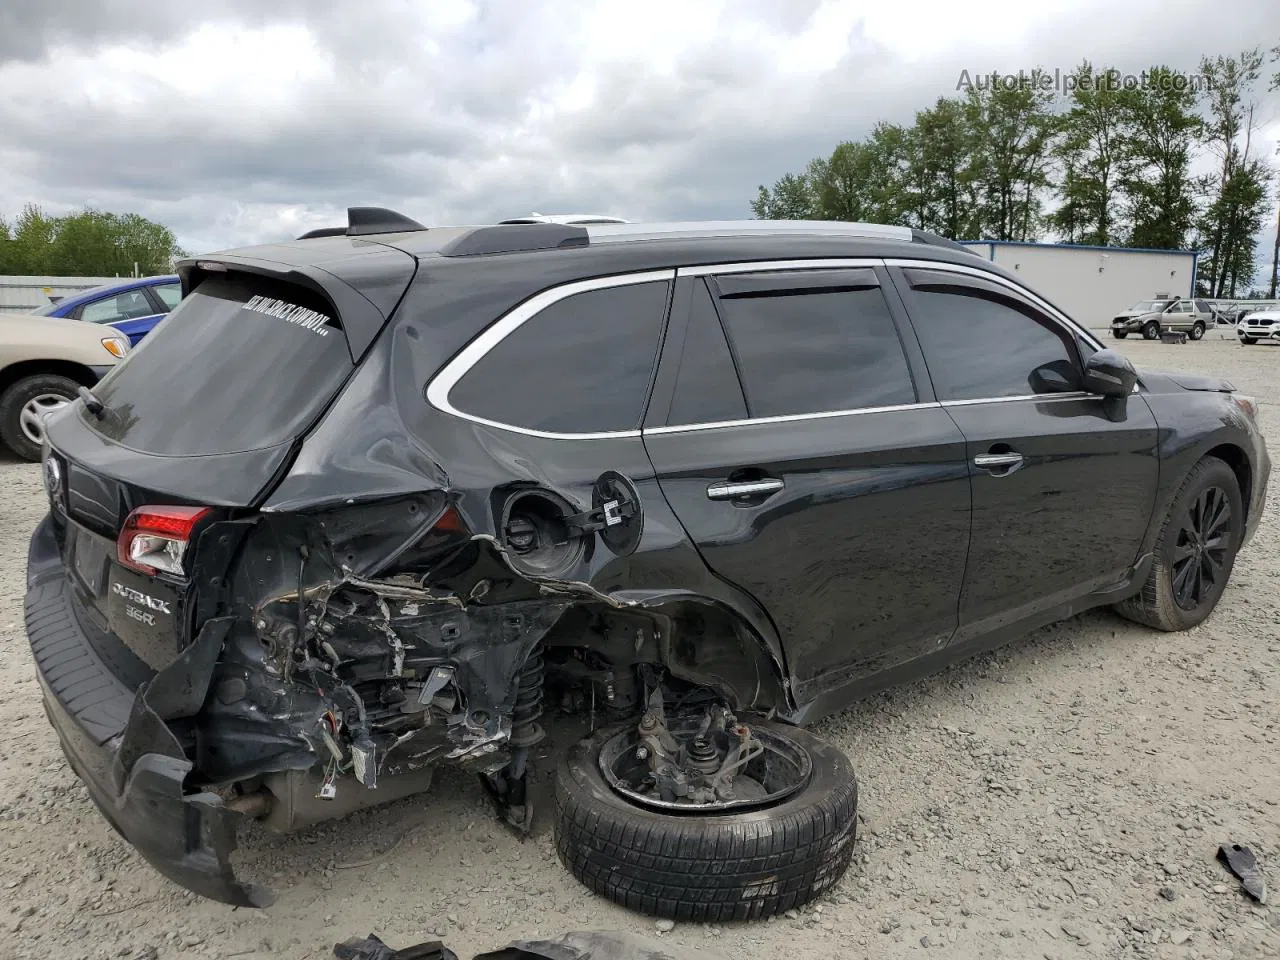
x=1153, y=317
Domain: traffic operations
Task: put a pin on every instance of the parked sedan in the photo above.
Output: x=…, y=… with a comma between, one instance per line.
x=133, y=307
x=699, y=485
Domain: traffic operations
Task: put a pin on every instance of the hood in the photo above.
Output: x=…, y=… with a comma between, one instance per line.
x=1192, y=381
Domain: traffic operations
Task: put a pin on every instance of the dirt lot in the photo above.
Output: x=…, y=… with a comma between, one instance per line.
x=1064, y=798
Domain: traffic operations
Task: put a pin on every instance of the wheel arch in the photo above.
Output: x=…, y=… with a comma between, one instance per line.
x=78, y=372
x=1237, y=459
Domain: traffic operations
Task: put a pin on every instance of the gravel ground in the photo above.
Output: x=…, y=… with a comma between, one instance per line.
x=1062, y=798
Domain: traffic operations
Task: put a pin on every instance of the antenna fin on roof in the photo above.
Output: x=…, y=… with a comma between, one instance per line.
x=363, y=221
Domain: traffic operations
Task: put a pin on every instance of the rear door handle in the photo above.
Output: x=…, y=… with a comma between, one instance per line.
x=1000, y=464
x=745, y=488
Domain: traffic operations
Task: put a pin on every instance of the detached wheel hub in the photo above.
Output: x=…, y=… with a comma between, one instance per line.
x=702, y=763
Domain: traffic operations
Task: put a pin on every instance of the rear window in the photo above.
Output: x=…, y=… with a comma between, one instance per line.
x=240, y=364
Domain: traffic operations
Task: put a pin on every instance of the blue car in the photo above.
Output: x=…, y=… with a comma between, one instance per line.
x=132, y=306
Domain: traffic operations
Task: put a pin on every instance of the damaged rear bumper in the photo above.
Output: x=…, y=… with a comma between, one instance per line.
x=120, y=744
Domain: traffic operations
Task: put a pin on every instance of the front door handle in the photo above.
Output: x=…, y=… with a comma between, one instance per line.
x=999, y=464
x=743, y=488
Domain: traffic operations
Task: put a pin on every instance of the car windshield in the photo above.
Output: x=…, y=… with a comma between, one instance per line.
x=1149, y=306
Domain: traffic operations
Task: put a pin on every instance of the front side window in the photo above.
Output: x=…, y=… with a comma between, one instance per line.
x=811, y=348
x=123, y=306
x=582, y=365
x=979, y=345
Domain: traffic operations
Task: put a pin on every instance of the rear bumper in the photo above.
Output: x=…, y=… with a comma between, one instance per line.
x=119, y=743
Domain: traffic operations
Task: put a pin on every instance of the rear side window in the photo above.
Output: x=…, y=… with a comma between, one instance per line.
x=240, y=364
x=707, y=388
x=581, y=365
x=979, y=346
x=169, y=294
x=815, y=349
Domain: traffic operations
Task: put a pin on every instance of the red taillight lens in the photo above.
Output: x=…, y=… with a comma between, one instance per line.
x=155, y=538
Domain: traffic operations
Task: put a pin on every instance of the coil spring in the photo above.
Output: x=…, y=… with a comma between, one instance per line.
x=525, y=729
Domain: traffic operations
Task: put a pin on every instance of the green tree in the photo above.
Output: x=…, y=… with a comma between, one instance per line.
x=939, y=169
x=90, y=243
x=791, y=198
x=1161, y=133
x=1012, y=131
x=1092, y=150
x=1230, y=106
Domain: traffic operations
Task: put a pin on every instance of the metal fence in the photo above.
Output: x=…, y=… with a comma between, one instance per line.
x=25, y=294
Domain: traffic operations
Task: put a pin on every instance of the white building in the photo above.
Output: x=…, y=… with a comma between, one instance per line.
x=1092, y=284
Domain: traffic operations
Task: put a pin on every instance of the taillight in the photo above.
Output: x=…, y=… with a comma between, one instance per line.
x=155, y=538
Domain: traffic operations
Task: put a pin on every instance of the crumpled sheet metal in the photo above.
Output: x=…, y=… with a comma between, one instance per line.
x=600, y=945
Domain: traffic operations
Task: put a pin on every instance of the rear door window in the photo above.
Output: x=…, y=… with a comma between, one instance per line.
x=240, y=364
x=169, y=294
x=581, y=365
x=707, y=388
x=817, y=341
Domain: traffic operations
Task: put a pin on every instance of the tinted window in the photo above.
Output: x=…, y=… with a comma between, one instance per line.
x=239, y=364
x=169, y=294
x=582, y=365
x=707, y=387
x=977, y=346
x=816, y=350
x=123, y=306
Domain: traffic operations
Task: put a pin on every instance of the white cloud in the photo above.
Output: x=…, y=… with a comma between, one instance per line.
x=236, y=122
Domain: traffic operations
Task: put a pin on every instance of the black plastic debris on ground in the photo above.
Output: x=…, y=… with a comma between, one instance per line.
x=371, y=948
x=1241, y=861
x=584, y=945
x=598, y=945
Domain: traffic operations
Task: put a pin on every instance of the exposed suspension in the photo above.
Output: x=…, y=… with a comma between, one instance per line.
x=525, y=728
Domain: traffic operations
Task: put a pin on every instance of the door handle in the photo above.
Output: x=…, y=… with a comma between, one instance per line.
x=999, y=464
x=745, y=488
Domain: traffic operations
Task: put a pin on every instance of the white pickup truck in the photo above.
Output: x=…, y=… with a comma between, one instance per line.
x=1164, y=313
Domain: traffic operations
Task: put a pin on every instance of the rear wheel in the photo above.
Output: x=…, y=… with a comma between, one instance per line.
x=1151, y=330
x=1197, y=330
x=785, y=835
x=1195, y=551
x=24, y=407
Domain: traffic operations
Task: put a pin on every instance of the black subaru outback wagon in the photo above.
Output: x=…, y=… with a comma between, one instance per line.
x=386, y=497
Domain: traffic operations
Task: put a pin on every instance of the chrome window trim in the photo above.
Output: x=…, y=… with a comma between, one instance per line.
x=442, y=383
x=437, y=392
x=789, y=418
x=772, y=266
x=1048, y=308
x=1041, y=397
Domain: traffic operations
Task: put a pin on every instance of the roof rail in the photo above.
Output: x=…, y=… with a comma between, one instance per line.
x=707, y=229
x=516, y=238
x=367, y=221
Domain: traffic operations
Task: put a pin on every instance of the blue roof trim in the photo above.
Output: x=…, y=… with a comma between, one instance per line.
x=1078, y=246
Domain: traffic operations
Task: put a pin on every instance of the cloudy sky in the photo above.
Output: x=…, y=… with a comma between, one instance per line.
x=239, y=121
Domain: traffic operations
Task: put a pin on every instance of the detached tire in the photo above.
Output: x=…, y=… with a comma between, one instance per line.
x=701, y=867
x=21, y=405
x=1203, y=529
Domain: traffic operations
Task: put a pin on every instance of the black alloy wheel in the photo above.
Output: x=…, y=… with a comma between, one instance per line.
x=1200, y=553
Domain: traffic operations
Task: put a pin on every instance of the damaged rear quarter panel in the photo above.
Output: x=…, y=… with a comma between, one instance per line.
x=383, y=439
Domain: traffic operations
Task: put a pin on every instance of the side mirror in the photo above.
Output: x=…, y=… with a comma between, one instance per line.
x=1109, y=374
